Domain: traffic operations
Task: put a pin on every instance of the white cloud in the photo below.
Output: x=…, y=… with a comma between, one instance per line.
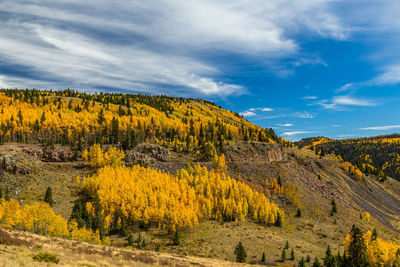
x=391, y=76
x=153, y=45
x=381, y=128
x=303, y=115
x=339, y=102
x=295, y=133
x=285, y=125
x=345, y=87
x=311, y=97
x=352, y=101
x=267, y=109
x=247, y=113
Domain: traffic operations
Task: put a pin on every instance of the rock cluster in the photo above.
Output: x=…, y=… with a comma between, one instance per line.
x=146, y=155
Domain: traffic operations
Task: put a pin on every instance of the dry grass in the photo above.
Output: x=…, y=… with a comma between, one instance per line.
x=75, y=253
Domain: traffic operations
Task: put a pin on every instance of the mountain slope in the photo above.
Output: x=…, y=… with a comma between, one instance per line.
x=55, y=131
x=378, y=155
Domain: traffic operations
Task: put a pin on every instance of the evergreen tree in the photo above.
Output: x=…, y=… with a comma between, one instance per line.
x=279, y=181
x=48, y=198
x=130, y=240
x=177, y=239
x=334, y=207
x=240, y=253
x=316, y=263
x=7, y=194
x=292, y=256
x=283, y=256
x=278, y=221
x=308, y=258
x=330, y=260
x=287, y=245
x=357, y=251
x=298, y=214
x=302, y=262
x=263, y=257
x=123, y=231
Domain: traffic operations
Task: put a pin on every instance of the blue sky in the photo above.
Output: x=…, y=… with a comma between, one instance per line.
x=304, y=68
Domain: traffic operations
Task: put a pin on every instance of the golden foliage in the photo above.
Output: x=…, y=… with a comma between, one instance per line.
x=353, y=170
x=40, y=218
x=144, y=195
x=379, y=251
x=147, y=196
x=98, y=158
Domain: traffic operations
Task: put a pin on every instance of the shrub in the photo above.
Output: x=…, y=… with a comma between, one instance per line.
x=46, y=257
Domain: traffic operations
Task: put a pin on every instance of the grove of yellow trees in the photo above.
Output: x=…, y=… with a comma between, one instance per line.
x=154, y=198
x=353, y=170
x=40, y=218
x=379, y=251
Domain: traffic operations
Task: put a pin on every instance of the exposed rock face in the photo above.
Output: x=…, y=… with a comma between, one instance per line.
x=255, y=152
x=8, y=163
x=59, y=154
x=146, y=155
x=157, y=152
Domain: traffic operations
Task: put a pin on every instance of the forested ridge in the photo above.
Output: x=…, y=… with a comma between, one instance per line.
x=79, y=120
x=378, y=155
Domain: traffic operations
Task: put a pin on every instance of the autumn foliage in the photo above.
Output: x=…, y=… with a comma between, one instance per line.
x=80, y=120
x=378, y=251
x=353, y=170
x=147, y=196
x=39, y=218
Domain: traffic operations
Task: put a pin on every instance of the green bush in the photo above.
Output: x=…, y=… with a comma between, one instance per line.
x=46, y=257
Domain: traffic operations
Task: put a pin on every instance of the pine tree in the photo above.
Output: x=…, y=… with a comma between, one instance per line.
x=177, y=239
x=357, y=251
x=287, y=245
x=308, y=258
x=302, y=262
x=240, y=253
x=123, y=231
x=49, y=196
x=139, y=239
x=283, y=256
x=292, y=256
x=316, y=263
x=334, y=207
x=298, y=214
x=7, y=194
x=263, y=257
x=130, y=240
x=278, y=221
x=279, y=181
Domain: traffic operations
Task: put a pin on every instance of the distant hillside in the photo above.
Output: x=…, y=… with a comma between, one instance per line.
x=379, y=155
x=78, y=120
x=311, y=141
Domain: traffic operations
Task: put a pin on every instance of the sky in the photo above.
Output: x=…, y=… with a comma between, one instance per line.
x=302, y=67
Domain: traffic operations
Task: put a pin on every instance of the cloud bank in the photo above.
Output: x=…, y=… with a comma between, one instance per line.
x=163, y=46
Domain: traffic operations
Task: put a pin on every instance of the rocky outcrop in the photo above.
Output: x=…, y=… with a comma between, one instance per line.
x=146, y=155
x=58, y=154
x=255, y=152
x=8, y=163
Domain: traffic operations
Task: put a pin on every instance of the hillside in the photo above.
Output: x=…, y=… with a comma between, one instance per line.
x=378, y=155
x=115, y=170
